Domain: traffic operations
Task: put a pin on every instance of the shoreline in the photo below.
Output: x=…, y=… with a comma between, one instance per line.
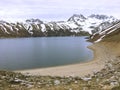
x=100, y=56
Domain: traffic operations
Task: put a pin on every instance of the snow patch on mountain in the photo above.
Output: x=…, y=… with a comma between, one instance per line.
x=43, y=28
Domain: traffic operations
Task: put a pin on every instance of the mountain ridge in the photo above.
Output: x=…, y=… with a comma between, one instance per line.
x=76, y=25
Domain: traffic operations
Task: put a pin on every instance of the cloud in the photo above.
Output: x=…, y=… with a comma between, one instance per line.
x=56, y=9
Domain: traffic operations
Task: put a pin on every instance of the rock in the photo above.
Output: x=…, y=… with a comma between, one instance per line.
x=95, y=72
x=39, y=83
x=71, y=78
x=119, y=80
x=15, y=81
x=106, y=82
x=114, y=84
x=47, y=85
x=110, y=65
x=13, y=86
x=29, y=86
x=76, y=82
x=56, y=82
x=113, y=78
x=106, y=87
x=97, y=80
x=86, y=79
x=27, y=74
x=23, y=83
x=89, y=82
x=85, y=88
x=3, y=77
x=70, y=88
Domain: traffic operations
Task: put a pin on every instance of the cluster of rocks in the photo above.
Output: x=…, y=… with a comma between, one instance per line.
x=106, y=79
x=11, y=81
x=109, y=76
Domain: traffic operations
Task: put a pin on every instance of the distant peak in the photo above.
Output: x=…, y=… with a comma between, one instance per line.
x=1, y=21
x=97, y=16
x=76, y=16
x=34, y=21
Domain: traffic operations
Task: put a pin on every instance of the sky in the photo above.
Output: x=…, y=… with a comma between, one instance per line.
x=56, y=10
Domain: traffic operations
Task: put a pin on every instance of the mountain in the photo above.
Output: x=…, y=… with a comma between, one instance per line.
x=112, y=33
x=76, y=25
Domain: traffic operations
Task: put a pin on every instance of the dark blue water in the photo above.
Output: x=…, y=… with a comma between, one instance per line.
x=28, y=53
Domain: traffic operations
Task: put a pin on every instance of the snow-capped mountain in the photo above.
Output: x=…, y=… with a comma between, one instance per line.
x=90, y=24
x=93, y=22
x=111, y=32
x=76, y=25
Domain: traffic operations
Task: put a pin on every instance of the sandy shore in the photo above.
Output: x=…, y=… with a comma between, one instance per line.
x=101, y=55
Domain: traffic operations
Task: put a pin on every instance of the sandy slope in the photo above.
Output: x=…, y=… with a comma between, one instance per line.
x=102, y=53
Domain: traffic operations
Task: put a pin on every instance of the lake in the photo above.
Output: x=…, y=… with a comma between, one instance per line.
x=40, y=52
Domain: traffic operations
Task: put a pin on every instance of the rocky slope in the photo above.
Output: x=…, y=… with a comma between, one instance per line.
x=75, y=26
x=112, y=33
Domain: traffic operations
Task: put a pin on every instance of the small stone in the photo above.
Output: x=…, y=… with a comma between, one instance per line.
x=39, y=83
x=89, y=82
x=106, y=87
x=106, y=82
x=23, y=83
x=29, y=86
x=114, y=84
x=95, y=72
x=97, y=80
x=47, y=85
x=56, y=82
x=110, y=65
x=13, y=85
x=28, y=74
x=15, y=80
x=86, y=79
x=70, y=88
x=76, y=82
x=85, y=88
x=3, y=77
x=18, y=80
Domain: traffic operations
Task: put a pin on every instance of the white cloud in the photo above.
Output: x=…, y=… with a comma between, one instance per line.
x=56, y=9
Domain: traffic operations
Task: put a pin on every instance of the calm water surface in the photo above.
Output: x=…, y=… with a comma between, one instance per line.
x=28, y=53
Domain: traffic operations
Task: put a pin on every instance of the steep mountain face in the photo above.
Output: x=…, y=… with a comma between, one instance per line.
x=93, y=23
x=75, y=26
x=112, y=33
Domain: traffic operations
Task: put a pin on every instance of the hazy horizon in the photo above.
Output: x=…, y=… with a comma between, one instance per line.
x=56, y=10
